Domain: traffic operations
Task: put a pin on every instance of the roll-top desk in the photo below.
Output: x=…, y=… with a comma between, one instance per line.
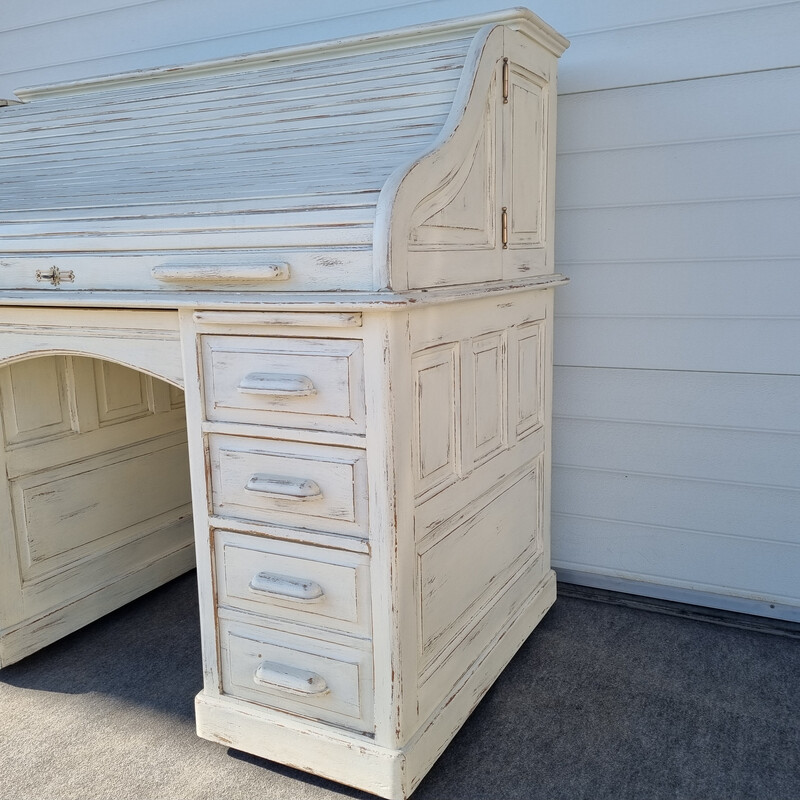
x=343, y=254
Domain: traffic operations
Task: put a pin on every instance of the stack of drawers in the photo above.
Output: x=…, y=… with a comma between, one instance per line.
x=284, y=424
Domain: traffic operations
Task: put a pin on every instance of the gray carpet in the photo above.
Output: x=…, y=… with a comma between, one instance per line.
x=602, y=702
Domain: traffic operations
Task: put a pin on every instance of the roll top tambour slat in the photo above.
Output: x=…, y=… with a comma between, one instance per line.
x=225, y=165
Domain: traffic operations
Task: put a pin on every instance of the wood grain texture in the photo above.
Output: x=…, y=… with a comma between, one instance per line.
x=95, y=494
x=369, y=470
x=298, y=153
x=618, y=43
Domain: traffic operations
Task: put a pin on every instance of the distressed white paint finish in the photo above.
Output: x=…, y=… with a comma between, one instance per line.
x=334, y=684
x=617, y=43
x=310, y=486
x=674, y=201
x=281, y=153
x=287, y=580
x=276, y=153
x=370, y=471
x=302, y=383
x=458, y=566
x=95, y=495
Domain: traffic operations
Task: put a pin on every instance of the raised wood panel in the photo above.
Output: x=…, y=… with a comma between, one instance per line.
x=67, y=513
x=528, y=365
x=531, y=591
x=319, y=487
x=34, y=397
x=122, y=393
x=528, y=159
x=437, y=399
x=465, y=561
x=331, y=396
x=490, y=396
x=479, y=134
x=525, y=158
x=176, y=397
x=149, y=554
x=467, y=218
x=253, y=574
x=345, y=671
x=86, y=507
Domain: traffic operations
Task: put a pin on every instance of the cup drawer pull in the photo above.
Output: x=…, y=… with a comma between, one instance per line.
x=198, y=273
x=283, y=487
x=277, y=385
x=289, y=679
x=285, y=586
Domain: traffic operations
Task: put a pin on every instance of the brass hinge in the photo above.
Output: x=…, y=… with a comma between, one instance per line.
x=504, y=228
x=505, y=80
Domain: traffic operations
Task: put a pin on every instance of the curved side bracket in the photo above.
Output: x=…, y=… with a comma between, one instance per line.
x=445, y=165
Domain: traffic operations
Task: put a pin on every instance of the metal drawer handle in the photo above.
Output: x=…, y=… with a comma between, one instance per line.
x=276, y=385
x=290, y=679
x=284, y=586
x=197, y=273
x=283, y=487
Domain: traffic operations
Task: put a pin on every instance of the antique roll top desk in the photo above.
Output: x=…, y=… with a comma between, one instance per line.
x=343, y=254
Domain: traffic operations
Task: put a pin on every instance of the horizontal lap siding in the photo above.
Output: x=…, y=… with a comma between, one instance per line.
x=615, y=43
x=677, y=438
x=677, y=342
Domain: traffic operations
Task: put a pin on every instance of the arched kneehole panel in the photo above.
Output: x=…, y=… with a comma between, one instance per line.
x=95, y=505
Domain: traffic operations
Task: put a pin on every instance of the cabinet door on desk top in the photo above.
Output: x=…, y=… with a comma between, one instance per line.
x=301, y=383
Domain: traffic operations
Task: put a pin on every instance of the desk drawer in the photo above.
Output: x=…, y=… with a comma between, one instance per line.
x=300, y=383
x=289, y=483
x=302, y=675
x=290, y=581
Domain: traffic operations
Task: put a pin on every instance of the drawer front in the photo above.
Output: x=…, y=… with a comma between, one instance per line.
x=295, y=582
x=303, y=485
x=300, y=383
x=315, y=679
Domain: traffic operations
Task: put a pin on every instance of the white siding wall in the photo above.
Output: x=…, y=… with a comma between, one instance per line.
x=678, y=341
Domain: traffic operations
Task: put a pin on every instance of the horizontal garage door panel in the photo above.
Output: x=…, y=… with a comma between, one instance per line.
x=697, y=45
x=743, y=457
x=705, y=507
x=730, y=288
x=682, y=172
x=753, y=345
x=721, y=565
x=750, y=402
x=738, y=229
x=726, y=107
